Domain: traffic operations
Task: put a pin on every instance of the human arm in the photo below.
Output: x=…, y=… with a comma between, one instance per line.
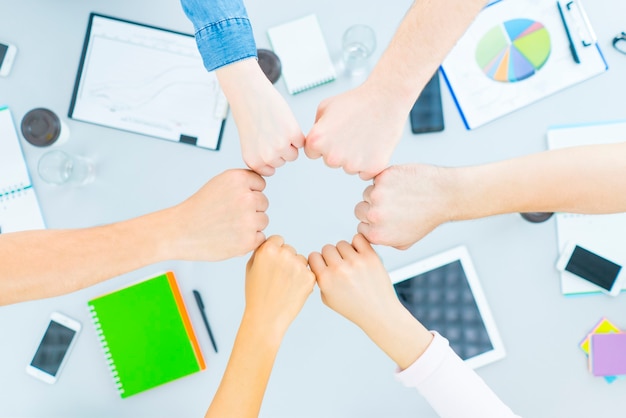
x=450, y=386
x=406, y=202
x=355, y=284
x=222, y=220
x=278, y=282
x=359, y=129
x=268, y=131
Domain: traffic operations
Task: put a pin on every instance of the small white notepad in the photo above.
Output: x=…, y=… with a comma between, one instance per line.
x=303, y=53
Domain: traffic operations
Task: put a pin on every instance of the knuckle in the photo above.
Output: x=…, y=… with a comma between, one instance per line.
x=268, y=154
x=238, y=175
x=263, y=182
x=313, y=142
x=376, y=195
x=264, y=248
x=351, y=168
x=323, y=283
x=383, y=176
x=326, y=248
x=333, y=160
x=374, y=236
x=247, y=200
x=374, y=216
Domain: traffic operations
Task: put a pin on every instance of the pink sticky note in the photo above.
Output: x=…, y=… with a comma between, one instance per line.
x=608, y=354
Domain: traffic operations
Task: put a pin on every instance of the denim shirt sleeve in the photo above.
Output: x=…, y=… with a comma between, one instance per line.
x=222, y=29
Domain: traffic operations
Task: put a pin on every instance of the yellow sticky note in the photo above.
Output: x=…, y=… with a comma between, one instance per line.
x=603, y=327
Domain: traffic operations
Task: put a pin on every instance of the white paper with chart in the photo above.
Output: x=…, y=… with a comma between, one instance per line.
x=19, y=207
x=517, y=52
x=605, y=234
x=149, y=81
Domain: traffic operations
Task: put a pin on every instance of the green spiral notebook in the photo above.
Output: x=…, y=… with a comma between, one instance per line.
x=146, y=334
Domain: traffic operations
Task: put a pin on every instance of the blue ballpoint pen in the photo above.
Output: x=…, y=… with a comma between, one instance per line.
x=200, y=303
x=572, y=47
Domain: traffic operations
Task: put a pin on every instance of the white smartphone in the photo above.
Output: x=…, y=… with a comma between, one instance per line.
x=7, y=56
x=54, y=347
x=584, y=263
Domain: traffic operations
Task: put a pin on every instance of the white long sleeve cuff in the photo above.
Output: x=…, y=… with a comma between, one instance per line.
x=451, y=387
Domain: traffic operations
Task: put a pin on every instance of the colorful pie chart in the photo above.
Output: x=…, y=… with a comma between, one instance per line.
x=514, y=50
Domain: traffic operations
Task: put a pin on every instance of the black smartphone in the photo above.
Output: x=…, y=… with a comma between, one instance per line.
x=427, y=113
x=592, y=267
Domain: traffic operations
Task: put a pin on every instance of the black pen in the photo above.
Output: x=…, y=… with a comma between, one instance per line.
x=196, y=294
x=572, y=47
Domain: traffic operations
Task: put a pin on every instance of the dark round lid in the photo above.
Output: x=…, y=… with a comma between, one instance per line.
x=536, y=217
x=270, y=64
x=41, y=127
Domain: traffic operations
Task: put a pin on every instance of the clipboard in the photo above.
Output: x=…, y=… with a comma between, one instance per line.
x=147, y=80
x=518, y=52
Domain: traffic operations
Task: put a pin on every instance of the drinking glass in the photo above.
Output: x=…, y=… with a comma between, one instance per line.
x=358, y=44
x=59, y=167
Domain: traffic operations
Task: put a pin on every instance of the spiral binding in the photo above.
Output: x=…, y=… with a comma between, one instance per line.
x=10, y=193
x=317, y=83
x=107, y=353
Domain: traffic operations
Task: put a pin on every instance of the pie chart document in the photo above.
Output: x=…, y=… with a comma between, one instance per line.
x=514, y=50
x=515, y=53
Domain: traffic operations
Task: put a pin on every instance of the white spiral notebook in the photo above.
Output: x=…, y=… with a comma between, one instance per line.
x=604, y=233
x=19, y=208
x=303, y=53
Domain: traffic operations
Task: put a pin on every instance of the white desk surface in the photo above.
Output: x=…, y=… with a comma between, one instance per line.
x=326, y=366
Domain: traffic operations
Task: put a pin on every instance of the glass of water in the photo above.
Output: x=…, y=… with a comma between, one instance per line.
x=58, y=167
x=358, y=44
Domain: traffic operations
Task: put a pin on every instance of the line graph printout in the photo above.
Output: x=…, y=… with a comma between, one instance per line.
x=149, y=81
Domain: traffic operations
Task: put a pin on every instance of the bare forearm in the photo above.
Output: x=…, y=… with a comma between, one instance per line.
x=403, y=338
x=425, y=36
x=235, y=79
x=241, y=391
x=278, y=282
x=587, y=179
x=46, y=263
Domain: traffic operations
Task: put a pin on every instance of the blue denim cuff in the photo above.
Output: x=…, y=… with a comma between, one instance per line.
x=225, y=42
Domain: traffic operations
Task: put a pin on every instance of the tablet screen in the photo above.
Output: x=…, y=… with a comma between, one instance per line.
x=444, y=294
